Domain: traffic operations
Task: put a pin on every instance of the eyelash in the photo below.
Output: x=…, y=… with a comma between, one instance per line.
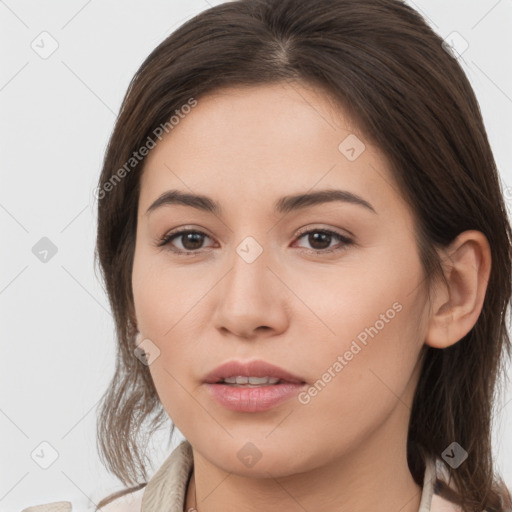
x=169, y=237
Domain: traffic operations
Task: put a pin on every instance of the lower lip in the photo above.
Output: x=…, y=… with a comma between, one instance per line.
x=256, y=399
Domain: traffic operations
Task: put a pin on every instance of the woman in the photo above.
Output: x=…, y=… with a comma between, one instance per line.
x=304, y=241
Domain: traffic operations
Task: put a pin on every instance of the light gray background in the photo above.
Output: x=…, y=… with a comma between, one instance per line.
x=56, y=116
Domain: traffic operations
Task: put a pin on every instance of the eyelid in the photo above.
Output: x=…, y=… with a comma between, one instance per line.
x=336, y=231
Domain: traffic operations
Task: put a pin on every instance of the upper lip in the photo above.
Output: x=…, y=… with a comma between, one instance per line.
x=250, y=369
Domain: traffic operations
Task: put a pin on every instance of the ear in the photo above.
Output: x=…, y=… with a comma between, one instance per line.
x=456, y=307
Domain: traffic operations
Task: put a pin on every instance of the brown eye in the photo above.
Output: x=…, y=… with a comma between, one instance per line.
x=320, y=240
x=191, y=241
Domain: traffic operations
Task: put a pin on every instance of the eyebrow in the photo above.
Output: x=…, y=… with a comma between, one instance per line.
x=283, y=205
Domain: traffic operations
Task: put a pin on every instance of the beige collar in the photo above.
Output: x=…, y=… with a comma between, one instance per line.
x=158, y=495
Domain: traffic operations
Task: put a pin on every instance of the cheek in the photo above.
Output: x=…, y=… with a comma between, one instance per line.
x=163, y=295
x=359, y=381
x=380, y=302
x=369, y=353
x=164, y=302
x=162, y=318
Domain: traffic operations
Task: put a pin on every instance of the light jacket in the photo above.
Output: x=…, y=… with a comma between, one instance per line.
x=167, y=488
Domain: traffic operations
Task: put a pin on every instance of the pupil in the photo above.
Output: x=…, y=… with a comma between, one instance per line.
x=314, y=238
x=193, y=237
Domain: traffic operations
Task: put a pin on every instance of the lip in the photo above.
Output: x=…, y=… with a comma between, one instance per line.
x=256, y=368
x=252, y=399
x=256, y=399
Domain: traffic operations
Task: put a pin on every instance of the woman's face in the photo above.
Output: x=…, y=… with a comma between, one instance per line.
x=346, y=315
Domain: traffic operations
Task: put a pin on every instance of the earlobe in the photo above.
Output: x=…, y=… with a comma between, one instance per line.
x=457, y=305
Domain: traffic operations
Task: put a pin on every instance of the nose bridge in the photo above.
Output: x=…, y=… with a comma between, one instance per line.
x=247, y=280
x=249, y=297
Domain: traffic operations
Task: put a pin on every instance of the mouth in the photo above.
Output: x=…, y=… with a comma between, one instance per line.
x=254, y=386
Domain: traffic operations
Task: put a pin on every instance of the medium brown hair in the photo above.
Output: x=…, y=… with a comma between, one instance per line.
x=388, y=70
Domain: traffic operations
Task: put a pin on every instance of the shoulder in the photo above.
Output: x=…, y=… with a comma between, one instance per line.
x=56, y=506
x=129, y=502
x=168, y=483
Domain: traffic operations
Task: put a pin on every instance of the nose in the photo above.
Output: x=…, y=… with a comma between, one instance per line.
x=251, y=299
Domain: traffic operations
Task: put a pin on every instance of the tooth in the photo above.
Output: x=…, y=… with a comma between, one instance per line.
x=254, y=381
x=262, y=380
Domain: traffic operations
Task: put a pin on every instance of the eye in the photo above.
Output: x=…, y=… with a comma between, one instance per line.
x=191, y=240
x=320, y=240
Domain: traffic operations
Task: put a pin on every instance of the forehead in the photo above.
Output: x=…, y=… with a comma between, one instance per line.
x=270, y=118
x=265, y=140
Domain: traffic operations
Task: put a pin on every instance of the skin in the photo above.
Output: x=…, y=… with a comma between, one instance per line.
x=345, y=450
